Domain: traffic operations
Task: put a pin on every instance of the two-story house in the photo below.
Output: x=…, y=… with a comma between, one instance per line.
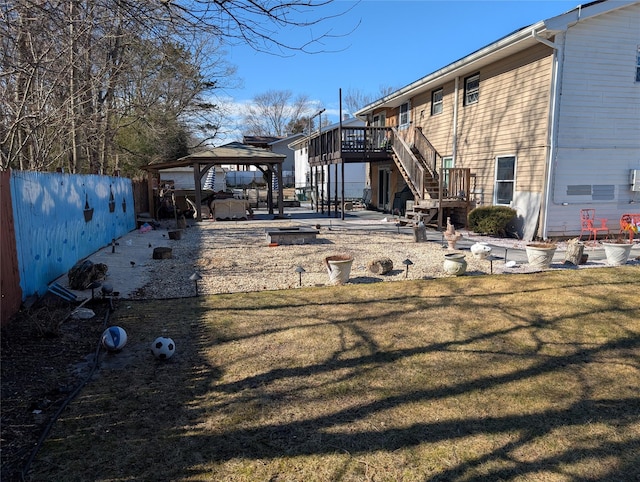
x=545, y=120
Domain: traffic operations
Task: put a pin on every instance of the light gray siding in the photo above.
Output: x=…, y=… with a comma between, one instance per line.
x=598, y=125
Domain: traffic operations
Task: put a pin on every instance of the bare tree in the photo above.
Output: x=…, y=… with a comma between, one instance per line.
x=276, y=113
x=355, y=99
x=76, y=74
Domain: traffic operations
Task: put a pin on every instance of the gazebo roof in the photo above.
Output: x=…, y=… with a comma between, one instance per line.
x=232, y=153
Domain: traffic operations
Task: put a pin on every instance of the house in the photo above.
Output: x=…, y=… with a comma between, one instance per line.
x=278, y=145
x=545, y=120
x=325, y=180
x=281, y=146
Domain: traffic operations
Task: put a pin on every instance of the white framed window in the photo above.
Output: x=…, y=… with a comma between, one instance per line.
x=505, y=180
x=379, y=120
x=436, y=101
x=471, y=89
x=403, y=119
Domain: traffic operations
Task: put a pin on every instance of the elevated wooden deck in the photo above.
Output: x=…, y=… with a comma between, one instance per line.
x=353, y=144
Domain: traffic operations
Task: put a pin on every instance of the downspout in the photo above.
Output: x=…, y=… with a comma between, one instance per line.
x=552, y=129
x=455, y=120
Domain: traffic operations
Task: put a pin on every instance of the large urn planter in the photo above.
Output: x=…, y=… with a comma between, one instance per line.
x=455, y=264
x=540, y=255
x=617, y=253
x=339, y=268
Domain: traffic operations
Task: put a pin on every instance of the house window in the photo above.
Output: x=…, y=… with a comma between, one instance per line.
x=471, y=89
x=638, y=64
x=505, y=179
x=436, y=102
x=404, y=114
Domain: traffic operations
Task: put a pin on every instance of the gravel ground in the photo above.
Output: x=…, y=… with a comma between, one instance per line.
x=236, y=256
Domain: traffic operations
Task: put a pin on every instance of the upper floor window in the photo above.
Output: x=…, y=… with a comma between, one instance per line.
x=404, y=114
x=436, y=102
x=471, y=89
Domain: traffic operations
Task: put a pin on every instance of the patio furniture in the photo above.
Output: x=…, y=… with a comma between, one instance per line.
x=588, y=223
x=627, y=223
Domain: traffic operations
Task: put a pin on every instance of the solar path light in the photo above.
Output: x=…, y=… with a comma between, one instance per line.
x=407, y=262
x=195, y=277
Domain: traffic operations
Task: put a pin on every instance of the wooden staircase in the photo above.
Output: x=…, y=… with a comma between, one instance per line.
x=419, y=164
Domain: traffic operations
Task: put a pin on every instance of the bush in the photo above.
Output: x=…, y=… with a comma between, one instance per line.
x=491, y=220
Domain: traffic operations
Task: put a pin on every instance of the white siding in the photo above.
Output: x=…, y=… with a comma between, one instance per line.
x=598, y=130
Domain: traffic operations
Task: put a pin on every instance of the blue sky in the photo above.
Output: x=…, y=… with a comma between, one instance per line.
x=394, y=43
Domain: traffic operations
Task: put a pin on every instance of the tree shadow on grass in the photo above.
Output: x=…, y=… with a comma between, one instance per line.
x=192, y=405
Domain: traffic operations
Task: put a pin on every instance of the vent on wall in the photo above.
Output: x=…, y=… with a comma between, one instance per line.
x=634, y=178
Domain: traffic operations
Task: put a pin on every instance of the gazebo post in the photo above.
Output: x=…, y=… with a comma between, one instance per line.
x=197, y=182
x=278, y=169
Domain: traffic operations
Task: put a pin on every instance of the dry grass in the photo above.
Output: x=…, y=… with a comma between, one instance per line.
x=522, y=377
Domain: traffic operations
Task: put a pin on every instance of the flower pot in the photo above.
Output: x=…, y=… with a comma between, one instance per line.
x=480, y=250
x=540, y=255
x=617, y=253
x=455, y=264
x=339, y=268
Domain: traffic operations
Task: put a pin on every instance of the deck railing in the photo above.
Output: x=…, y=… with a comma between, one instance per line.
x=350, y=141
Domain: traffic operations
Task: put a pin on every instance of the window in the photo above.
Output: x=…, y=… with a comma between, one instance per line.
x=471, y=89
x=404, y=114
x=638, y=64
x=505, y=179
x=447, y=163
x=436, y=102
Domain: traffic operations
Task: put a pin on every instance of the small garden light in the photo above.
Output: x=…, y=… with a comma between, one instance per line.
x=407, y=262
x=93, y=286
x=195, y=277
x=300, y=270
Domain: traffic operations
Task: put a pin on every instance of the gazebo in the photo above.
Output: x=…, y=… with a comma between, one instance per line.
x=234, y=153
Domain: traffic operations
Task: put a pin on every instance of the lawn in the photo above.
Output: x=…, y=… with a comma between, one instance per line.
x=515, y=377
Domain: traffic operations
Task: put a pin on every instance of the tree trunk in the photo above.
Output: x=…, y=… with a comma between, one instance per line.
x=380, y=266
x=575, y=250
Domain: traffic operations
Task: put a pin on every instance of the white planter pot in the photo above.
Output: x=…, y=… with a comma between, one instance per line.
x=540, y=255
x=339, y=268
x=455, y=264
x=617, y=253
x=480, y=250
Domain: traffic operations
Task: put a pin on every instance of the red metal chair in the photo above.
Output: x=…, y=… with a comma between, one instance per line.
x=588, y=223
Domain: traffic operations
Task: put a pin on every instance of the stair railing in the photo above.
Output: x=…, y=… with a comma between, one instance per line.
x=411, y=165
x=427, y=151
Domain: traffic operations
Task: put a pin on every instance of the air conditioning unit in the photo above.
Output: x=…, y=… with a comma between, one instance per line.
x=634, y=178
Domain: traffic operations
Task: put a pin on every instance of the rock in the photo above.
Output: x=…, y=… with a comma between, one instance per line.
x=83, y=273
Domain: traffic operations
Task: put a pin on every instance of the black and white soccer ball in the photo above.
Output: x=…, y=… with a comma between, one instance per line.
x=163, y=348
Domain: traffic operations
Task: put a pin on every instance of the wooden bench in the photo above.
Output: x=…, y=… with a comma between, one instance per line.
x=291, y=236
x=629, y=219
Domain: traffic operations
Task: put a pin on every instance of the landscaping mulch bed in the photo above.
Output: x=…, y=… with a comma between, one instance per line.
x=46, y=355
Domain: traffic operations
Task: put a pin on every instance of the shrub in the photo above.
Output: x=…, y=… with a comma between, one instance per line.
x=491, y=220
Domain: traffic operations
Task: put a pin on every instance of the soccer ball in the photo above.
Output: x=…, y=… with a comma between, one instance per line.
x=114, y=338
x=163, y=348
